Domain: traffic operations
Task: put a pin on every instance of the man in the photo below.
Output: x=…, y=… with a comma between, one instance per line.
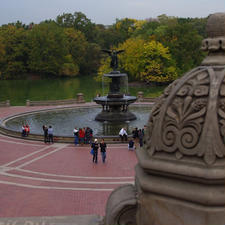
x=103, y=147
x=50, y=134
x=123, y=134
x=45, y=129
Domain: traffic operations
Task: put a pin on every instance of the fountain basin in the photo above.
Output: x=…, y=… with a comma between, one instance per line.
x=65, y=119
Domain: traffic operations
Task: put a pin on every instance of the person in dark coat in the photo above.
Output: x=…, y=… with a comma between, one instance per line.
x=95, y=147
x=140, y=136
x=103, y=147
x=45, y=129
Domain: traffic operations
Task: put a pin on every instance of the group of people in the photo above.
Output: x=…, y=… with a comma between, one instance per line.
x=94, y=150
x=137, y=137
x=82, y=135
x=48, y=134
x=25, y=130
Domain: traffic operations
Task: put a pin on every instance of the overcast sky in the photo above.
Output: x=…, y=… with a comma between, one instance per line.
x=105, y=11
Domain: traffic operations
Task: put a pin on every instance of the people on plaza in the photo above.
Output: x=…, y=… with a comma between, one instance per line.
x=23, y=131
x=81, y=135
x=140, y=137
x=50, y=135
x=123, y=134
x=87, y=135
x=131, y=144
x=76, y=136
x=103, y=147
x=45, y=129
x=27, y=129
x=95, y=147
x=135, y=136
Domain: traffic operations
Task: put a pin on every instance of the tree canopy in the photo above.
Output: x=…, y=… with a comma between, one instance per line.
x=156, y=49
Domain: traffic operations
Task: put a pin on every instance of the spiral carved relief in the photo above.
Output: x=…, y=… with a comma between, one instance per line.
x=185, y=123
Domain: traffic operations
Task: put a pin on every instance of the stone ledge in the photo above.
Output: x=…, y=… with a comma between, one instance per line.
x=52, y=102
x=54, y=220
x=5, y=103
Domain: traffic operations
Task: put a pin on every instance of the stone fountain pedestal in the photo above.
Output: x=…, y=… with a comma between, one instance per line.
x=115, y=104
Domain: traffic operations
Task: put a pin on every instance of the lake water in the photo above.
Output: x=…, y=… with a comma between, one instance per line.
x=18, y=91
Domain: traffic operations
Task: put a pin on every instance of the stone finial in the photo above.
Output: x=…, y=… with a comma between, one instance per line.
x=216, y=25
x=215, y=43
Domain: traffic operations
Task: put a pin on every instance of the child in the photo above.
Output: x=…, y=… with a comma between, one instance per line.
x=131, y=144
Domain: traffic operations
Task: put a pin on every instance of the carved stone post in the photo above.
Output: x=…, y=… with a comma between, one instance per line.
x=140, y=96
x=27, y=102
x=180, y=177
x=7, y=103
x=80, y=98
x=180, y=174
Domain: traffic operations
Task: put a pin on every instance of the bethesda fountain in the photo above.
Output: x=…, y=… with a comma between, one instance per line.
x=115, y=104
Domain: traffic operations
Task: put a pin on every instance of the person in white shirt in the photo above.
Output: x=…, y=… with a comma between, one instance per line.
x=76, y=136
x=123, y=134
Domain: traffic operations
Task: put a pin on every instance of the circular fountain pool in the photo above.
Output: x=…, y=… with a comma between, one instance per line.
x=64, y=121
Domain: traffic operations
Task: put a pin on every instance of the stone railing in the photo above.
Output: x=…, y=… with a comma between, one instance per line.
x=5, y=103
x=78, y=100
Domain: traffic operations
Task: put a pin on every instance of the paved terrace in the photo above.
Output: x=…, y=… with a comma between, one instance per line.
x=38, y=179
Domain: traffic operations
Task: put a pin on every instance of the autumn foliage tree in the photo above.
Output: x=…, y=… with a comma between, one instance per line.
x=148, y=61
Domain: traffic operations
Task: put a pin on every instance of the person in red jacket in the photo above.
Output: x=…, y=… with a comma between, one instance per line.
x=27, y=130
x=81, y=135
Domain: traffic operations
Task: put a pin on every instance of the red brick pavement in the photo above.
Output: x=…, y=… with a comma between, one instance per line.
x=37, y=179
x=58, y=179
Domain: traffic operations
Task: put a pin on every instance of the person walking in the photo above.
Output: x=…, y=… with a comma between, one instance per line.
x=103, y=147
x=50, y=134
x=95, y=147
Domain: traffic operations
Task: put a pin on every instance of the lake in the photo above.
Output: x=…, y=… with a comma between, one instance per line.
x=18, y=91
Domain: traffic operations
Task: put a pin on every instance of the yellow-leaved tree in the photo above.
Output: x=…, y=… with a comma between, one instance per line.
x=148, y=61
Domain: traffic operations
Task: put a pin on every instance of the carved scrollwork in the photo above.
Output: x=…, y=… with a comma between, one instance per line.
x=221, y=111
x=155, y=113
x=185, y=121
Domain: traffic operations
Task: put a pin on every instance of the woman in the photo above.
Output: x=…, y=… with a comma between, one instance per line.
x=95, y=149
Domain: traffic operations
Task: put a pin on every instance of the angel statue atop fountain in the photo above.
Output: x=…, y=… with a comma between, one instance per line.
x=114, y=59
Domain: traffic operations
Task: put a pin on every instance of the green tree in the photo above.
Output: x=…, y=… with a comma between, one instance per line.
x=48, y=50
x=77, y=47
x=13, y=40
x=184, y=44
x=78, y=21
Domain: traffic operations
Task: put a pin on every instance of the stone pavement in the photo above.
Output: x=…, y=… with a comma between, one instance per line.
x=38, y=179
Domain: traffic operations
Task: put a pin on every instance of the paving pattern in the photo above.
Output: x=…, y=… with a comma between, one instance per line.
x=38, y=179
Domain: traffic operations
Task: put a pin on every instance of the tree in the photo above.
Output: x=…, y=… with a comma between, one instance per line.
x=78, y=21
x=47, y=49
x=2, y=56
x=148, y=61
x=184, y=44
x=13, y=42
